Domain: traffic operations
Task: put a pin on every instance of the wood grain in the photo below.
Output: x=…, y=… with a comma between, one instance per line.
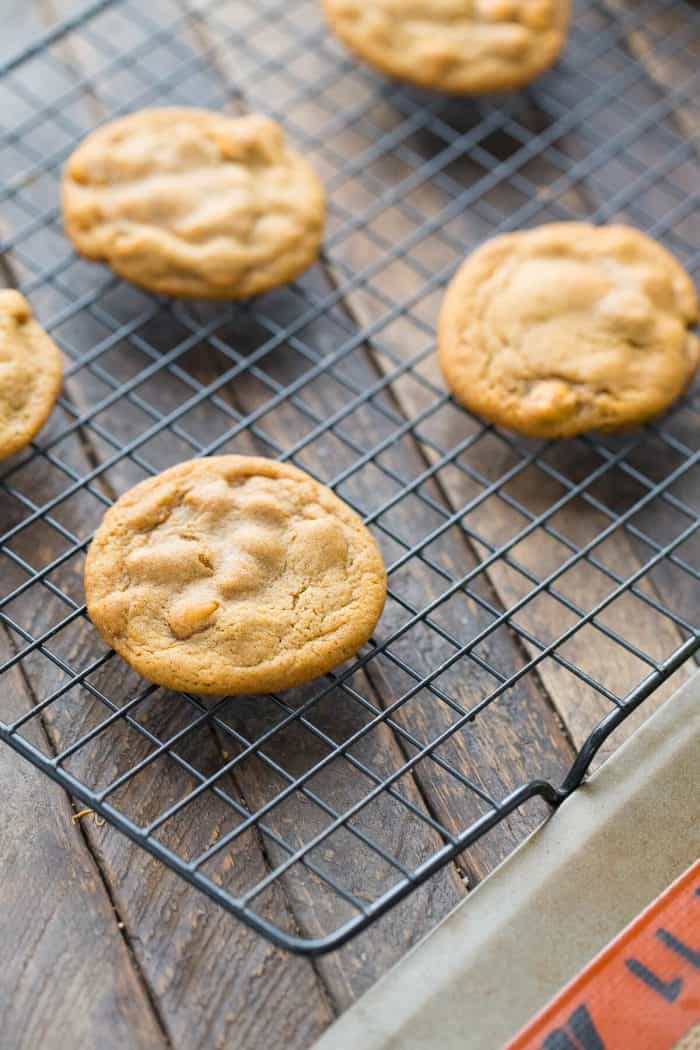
x=67, y=977
x=195, y=973
x=203, y=969
x=428, y=905
x=110, y=754
x=666, y=71
x=522, y=725
x=400, y=277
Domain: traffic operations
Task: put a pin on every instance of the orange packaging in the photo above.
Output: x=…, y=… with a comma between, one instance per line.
x=641, y=993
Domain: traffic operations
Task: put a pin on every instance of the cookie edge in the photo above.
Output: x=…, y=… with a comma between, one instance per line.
x=470, y=273
x=186, y=289
x=247, y=680
x=55, y=370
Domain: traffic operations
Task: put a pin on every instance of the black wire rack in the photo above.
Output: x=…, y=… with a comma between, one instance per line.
x=507, y=585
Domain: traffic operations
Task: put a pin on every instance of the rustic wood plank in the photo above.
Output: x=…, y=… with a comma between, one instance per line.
x=516, y=728
x=415, y=930
x=348, y=972
x=108, y=753
x=57, y=917
x=184, y=943
x=67, y=976
x=300, y=746
x=355, y=247
x=472, y=751
x=613, y=194
x=349, y=975
x=181, y=939
x=667, y=72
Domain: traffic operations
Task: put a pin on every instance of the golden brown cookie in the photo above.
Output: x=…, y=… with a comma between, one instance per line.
x=569, y=327
x=30, y=374
x=194, y=203
x=461, y=46
x=233, y=574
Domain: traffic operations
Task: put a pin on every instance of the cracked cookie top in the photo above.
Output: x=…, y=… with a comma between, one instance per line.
x=233, y=574
x=30, y=374
x=461, y=46
x=569, y=327
x=190, y=202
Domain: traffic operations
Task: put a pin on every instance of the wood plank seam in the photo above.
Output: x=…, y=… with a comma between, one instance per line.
x=88, y=848
x=94, y=458
x=449, y=501
x=242, y=106
x=239, y=101
x=10, y=277
x=148, y=467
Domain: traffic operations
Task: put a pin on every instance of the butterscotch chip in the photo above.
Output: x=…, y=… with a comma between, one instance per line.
x=30, y=374
x=569, y=327
x=194, y=203
x=461, y=46
x=233, y=574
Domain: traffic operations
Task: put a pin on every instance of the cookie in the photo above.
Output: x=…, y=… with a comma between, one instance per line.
x=30, y=374
x=460, y=46
x=189, y=202
x=233, y=574
x=569, y=327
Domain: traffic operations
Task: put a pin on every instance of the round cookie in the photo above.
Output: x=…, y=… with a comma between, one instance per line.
x=188, y=202
x=233, y=574
x=30, y=374
x=460, y=46
x=569, y=327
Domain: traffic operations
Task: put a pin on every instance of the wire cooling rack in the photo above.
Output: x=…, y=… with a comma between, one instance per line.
x=528, y=580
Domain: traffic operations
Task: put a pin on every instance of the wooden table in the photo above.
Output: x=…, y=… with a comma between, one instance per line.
x=101, y=945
